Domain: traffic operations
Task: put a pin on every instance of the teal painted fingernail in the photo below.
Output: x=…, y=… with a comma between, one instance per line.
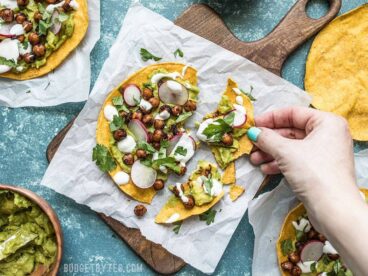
x=253, y=133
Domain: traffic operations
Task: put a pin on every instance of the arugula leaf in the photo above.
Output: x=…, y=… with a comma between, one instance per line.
x=325, y=259
x=287, y=247
x=208, y=185
x=337, y=267
x=41, y=8
x=181, y=151
x=182, y=117
x=43, y=27
x=103, y=158
x=179, y=53
x=249, y=94
x=229, y=119
x=7, y=62
x=145, y=55
x=63, y=17
x=145, y=146
x=117, y=123
x=168, y=162
x=177, y=226
x=208, y=216
x=217, y=129
x=118, y=100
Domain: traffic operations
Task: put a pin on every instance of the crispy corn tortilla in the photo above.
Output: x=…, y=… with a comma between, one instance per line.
x=288, y=231
x=103, y=133
x=57, y=57
x=245, y=145
x=235, y=192
x=229, y=176
x=337, y=70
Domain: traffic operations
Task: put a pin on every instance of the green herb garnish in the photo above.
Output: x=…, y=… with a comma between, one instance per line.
x=43, y=27
x=208, y=184
x=179, y=53
x=7, y=62
x=145, y=55
x=168, y=162
x=249, y=94
x=313, y=267
x=117, y=123
x=182, y=117
x=63, y=17
x=118, y=102
x=218, y=128
x=145, y=146
x=287, y=247
x=177, y=226
x=164, y=144
x=181, y=151
x=208, y=216
x=103, y=158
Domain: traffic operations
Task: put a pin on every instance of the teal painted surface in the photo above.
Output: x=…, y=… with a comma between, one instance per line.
x=26, y=132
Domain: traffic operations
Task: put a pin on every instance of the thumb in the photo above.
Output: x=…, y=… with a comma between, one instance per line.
x=267, y=140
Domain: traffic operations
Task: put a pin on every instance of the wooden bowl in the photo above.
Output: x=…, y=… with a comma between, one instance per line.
x=47, y=209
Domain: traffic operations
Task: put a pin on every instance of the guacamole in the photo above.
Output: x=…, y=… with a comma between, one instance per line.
x=27, y=237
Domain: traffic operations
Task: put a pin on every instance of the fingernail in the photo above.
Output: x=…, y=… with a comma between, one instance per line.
x=253, y=133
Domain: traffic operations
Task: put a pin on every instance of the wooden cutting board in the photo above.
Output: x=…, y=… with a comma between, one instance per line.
x=270, y=53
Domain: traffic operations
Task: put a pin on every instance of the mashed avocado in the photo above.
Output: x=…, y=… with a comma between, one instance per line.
x=27, y=236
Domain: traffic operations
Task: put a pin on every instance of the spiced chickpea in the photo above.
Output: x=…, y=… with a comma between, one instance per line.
x=141, y=153
x=147, y=119
x=50, y=1
x=22, y=3
x=7, y=15
x=156, y=145
x=182, y=171
x=147, y=93
x=296, y=271
x=155, y=102
x=190, y=106
x=128, y=159
x=20, y=18
x=137, y=115
x=189, y=204
x=227, y=139
x=39, y=50
x=294, y=257
x=176, y=110
x=37, y=16
x=165, y=107
x=140, y=210
x=159, y=184
x=119, y=134
x=34, y=38
x=27, y=26
x=287, y=266
x=66, y=6
x=29, y=58
x=159, y=124
x=157, y=135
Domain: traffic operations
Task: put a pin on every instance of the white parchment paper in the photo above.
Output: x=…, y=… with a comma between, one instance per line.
x=73, y=173
x=69, y=82
x=267, y=214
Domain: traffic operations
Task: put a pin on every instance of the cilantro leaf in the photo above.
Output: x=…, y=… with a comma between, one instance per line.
x=208, y=216
x=118, y=102
x=146, y=162
x=168, y=162
x=249, y=94
x=145, y=146
x=43, y=27
x=217, y=129
x=287, y=247
x=145, y=55
x=179, y=53
x=208, y=184
x=117, y=123
x=181, y=151
x=7, y=62
x=164, y=144
x=182, y=117
x=103, y=158
x=177, y=226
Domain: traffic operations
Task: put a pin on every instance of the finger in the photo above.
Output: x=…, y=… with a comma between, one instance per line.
x=270, y=168
x=290, y=117
x=291, y=133
x=259, y=157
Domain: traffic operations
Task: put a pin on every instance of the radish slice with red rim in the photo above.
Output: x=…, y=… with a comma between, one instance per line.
x=311, y=251
x=142, y=176
x=138, y=129
x=56, y=24
x=132, y=95
x=173, y=92
x=239, y=118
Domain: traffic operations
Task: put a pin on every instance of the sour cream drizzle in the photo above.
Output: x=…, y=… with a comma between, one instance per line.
x=201, y=129
x=164, y=115
x=51, y=7
x=303, y=225
x=329, y=249
x=186, y=143
x=145, y=105
x=109, y=112
x=127, y=145
x=157, y=77
x=121, y=178
x=174, y=217
x=306, y=266
x=181, y=193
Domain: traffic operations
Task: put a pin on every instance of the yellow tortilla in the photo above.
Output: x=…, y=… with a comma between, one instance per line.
x=103, y=133
x=235, y=192
x=288, y=231
x=337, y=70
x=229, y=175
x=245, y=145
x=57, y=57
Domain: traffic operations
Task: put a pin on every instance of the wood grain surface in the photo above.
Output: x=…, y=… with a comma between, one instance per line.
x=270, y=53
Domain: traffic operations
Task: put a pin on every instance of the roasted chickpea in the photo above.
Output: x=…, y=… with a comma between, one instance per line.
x=137, y=115
x=296, y=271
x=333, y=257
x=299, y=245
x=128, y=159
x=22, y=3
x=174, y=129
x=66, y=6
x=21, y=38
x=227, y=139
x=123, y=114
x=147, y=119
x=39, y=50
x=159, y=124
x=34, y=38
x=29, y=58
x=156, y=145
x=176, y=110
x=190, y=106
x=287, y=266
x=37, y=16
x=27, y=26
x=157, y=135
x=147, y=94
x=20, y=18
x=175, y=190
x=312, y=234
x=294, y=257
x=159, y=184
x=119, y=134
x=155, y=102
x=7, y=15
x=165, y=107
x=183, y=170
x=141, y=153
x=145, y=111
x=51, y=1
x=322, y=238
x=140, y=210
x=190, y=203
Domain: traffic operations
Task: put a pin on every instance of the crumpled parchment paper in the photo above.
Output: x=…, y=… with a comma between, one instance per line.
x=73, y=173
x=69, y=82
x=268, y=211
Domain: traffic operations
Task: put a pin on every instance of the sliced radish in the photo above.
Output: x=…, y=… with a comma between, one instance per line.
x=173, y=92
x=240, y=118
x=56, y=24
x=5, y=30
x=132, y=95
x=138, y=129
x=9, y=49
x=172, y=142
x=311, y=251
x=3, y=36
x=142, y=176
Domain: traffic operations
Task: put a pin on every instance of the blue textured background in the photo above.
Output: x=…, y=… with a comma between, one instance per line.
x=26, y=132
